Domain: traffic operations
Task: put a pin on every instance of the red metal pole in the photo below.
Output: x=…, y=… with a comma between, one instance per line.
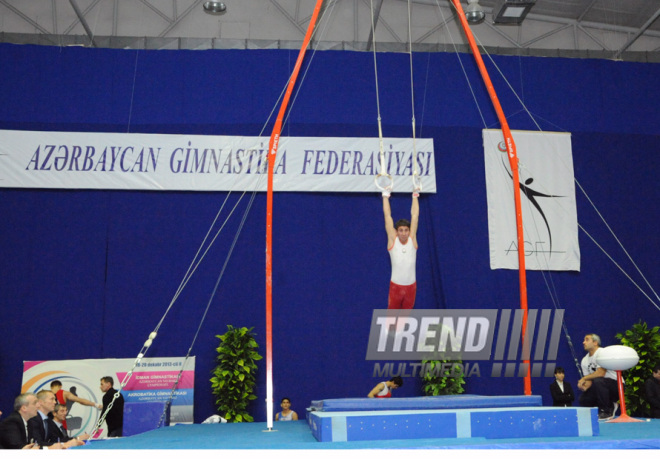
x=513, y=161
x=272, y=155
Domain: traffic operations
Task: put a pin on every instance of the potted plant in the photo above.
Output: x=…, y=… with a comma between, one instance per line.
x=234, y=378
x=442, y=380
x=646, y=341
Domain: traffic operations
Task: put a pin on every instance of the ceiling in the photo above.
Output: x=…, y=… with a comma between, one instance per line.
x=609, y=29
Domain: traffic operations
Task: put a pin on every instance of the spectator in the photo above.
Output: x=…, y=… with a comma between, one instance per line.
x=113, y=408
x=287, y=414
x=561, y=391
x=652, y=389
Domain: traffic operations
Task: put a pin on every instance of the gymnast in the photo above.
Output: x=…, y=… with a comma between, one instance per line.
x=384, y=389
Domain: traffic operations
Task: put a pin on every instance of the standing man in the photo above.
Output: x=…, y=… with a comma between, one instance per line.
x=561, y=391
x=402, y=246
x=66, y=398
x=599, y=385
x=114, y=417
x=14, y=428
x=652, y=389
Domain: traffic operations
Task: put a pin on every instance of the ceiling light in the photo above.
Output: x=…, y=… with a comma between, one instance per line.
x=511, y=11
x=215, y=7
x=474, y=13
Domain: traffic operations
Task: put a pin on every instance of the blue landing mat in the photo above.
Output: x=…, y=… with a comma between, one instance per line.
x=296, y=435
x=490, y=423
x=425, y=403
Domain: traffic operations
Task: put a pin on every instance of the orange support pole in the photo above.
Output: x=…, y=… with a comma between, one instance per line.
x=272, y=155
x=513, y=161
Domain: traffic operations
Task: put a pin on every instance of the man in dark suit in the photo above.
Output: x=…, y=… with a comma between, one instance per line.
x=13, y=429
x=114, y=416
x=42, y=428
x=59, y=432
x=561, y=391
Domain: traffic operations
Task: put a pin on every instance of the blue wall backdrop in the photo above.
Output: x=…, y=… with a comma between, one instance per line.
x=88, y=274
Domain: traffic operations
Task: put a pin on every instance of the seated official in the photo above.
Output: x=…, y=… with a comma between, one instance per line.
x=14, y=429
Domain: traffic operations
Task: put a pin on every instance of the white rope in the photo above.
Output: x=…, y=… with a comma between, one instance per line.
x=383, y=180
x=553, y=296
x=416, y=180
x=195, y=264
x=130, y=108
x=208, y=306
x=639, y=271
x=314, y=49
x=622, y=248
x=548, y=279
x=620, y=268
x=460, y=62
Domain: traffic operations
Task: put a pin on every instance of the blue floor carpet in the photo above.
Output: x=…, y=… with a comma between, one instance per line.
x=297, y=435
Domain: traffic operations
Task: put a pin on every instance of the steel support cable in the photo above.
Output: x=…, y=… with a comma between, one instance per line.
x=208, y=306
x=556, y=302
x=162, y=419
x=550, y=286
x=639, y=271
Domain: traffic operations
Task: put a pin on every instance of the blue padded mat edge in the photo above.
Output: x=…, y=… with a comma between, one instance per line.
x=425, y=403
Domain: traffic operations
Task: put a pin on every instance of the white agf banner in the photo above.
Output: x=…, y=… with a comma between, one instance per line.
x=547, y=194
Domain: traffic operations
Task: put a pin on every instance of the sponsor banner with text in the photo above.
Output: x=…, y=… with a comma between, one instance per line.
x=98, y=160
x=152, y=381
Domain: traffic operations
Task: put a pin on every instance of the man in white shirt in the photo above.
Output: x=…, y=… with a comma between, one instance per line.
x=402, y=247
x=598, y=385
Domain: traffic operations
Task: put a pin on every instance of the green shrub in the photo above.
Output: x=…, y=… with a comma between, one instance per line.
x=234, y=378
x=647, y=344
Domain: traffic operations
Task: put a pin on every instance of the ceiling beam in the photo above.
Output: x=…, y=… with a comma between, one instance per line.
x=157, y=11
x=115, y=17
x=545, y=35
x=178, y=19
x=84, y=13
x=375, y=16
x=586, y=10
x=440, y=26
x=590, y=35
x=24, y=17
x=74, y=5
x=289, y=17
x=638, y=34
x=53, y=10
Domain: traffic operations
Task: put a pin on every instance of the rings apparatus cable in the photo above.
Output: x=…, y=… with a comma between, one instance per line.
x=383, y=180
x=416, y=180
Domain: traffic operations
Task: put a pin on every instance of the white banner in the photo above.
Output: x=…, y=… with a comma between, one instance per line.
x=547, y=193
x=152, y=381
x=85, y=160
